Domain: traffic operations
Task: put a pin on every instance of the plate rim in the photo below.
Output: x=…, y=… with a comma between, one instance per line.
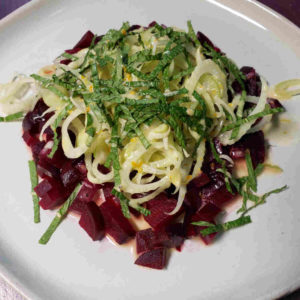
x=253, y=10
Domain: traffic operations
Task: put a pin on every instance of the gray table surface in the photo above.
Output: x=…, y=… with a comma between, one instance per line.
x=288, y=8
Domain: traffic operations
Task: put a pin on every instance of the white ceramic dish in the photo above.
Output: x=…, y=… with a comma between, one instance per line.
x=258, y=261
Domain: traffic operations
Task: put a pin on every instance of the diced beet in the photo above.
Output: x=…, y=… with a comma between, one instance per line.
x=160, y=206
x=170, y=237
x=92, y=222
x=28, y=138
x=85, y=41
x=44, y=186
x=47, y=171
x=152, y=24
x=216, y=193
x=176, y=234
x=252, y=83
x=274, y=103
x=88, y=191
x=58, y=158
x=255, y=143
x=149, y=239
x=200, y=180
x=36, y=149
x=107, y=188
x=78, y=206
x=69, y=175
x=52, y=199
x=51, y=193
x=192, y=198
x=117, y=226
x=202, y=38
x=134, y=27
x=155, y=259
x=207, y=213
x=33, y=121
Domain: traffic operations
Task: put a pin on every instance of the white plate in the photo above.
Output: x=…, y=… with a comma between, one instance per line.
x=258, y=261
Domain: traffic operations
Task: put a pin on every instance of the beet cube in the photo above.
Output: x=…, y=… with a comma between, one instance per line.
x=85, y=41
x=51, y=193
x=117, y=226
x=207, y=213
x=155, y=259
x=255, y=143
x=78, y=206
x=160, y=206
x=44, y=186
x=216, y=193
x=149, y=239
x=58, y=158
x=176, y=235
x=52, y=199
x=92, y=222
x=88, y=191
x=200, y=180
x=70, y=176
x=274, y=103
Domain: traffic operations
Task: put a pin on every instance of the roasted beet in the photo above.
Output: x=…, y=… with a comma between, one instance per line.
x=88, y=191
x=255, y=143
x=92, y=222
x=85, y=41
x=149, y=239
x=155, y=259
x=36, y=148
x=216, y=193
x=200, y=180
x=252, y=82
x=78, y=206
x=160, y=206
x=51, y=193
x=274, y=103
x=192, y=198
x=207, y=213
x=57, y=160
x=204, y=39
x=70, y=176
x=117, y=226
x=176, y=235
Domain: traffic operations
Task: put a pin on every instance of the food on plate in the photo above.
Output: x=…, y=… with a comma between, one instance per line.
x=144, y=122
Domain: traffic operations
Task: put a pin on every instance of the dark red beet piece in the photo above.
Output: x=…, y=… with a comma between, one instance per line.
x=51, y=193
x=192, y=198
x=92, y=222
x=274, y=103
x=85, y=41
x=207, y=213
x=78, y=206
x=155, y=259
x=203, y=38
x=176, y=234
x=57, y=160
x=160, y=206
x=200, y=180
x=216, y=193
x=70, y=176
x=52, y=199
x=36, y=148
x=44, y=186
x=252, y=83
x=255, y=142
x=88, y=191
x=149, y=239
x=117, y=226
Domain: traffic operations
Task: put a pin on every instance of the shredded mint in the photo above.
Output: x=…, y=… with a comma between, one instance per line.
x=13, y=117
x=34, y=182
x=61, y=214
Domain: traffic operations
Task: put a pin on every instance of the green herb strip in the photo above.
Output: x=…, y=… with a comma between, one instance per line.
x=34, y=182
x=59, y=217
x=13, y=117
x=225, y=226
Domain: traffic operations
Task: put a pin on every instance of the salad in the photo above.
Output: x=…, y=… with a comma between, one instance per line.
x=144, y=122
